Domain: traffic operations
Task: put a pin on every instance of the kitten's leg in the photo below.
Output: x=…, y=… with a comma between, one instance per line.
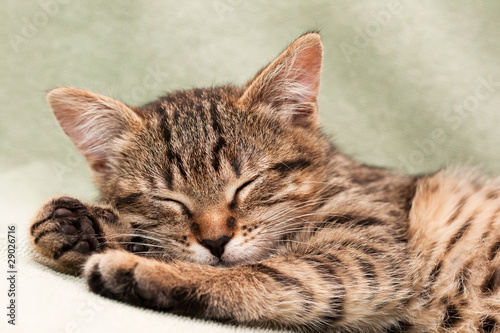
x=66, y=232
x=308, y=293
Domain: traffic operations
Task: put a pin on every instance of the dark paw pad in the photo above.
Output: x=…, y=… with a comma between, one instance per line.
x=68, y=227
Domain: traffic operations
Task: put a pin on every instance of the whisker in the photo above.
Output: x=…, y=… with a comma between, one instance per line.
x=133, y=235
x=330, y=214
x=145, y=244
x=291, y=209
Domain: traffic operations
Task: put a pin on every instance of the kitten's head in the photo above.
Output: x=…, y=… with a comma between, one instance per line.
x=215, y=176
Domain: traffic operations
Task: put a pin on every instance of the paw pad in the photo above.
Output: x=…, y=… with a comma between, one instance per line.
x=69, y=227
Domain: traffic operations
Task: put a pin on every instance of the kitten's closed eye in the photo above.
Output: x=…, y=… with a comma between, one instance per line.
x=185, y=210
x=238, y=192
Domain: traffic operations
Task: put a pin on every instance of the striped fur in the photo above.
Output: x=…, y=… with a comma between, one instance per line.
x=229, y=204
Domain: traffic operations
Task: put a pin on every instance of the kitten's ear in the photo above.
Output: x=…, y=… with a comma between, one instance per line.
x=92, y=121
x=290, y=84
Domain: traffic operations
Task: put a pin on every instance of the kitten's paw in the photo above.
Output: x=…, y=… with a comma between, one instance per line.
x=126, y=277
x=114, y=274
x=66, y=231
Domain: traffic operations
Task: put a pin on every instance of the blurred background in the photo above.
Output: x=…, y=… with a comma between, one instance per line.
x=408, y=85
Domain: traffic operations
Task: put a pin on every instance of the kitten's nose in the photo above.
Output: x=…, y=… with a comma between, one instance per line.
x=216, y=246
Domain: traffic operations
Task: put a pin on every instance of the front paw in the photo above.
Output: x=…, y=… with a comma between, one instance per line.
x=143, y=282
x=115, y=274
x=65, y=232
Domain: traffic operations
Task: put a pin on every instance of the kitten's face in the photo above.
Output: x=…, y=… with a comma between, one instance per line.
x=215, y=176
x=202, y=168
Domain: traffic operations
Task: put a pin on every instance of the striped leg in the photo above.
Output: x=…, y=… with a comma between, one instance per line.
x=310, y=292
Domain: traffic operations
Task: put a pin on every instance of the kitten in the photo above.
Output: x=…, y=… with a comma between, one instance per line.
x=229, y=203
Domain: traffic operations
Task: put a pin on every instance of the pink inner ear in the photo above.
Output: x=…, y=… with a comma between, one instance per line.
x=306, y=71
x=92, y=122
x=303, y=78
x=291, y=82
x=73, y=121
x=308, y=63
x=70, y=119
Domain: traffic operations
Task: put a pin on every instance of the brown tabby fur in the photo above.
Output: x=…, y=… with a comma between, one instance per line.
x=313, y=240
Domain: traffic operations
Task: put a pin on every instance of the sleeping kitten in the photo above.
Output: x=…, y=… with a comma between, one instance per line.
x=228, y=203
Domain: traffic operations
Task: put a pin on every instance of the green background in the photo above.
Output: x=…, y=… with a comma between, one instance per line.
x=394, y=72
x=412, y=85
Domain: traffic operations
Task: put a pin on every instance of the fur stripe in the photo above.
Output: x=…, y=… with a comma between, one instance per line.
x=145, y=226
x=371, y=276
x=488, y=325
x=494, y=250
x=459, y=234
x=216, y=152
x=492, y=195
x=215, y=121
x=288, y=281
x=168, y=178
x=492, y=282
x=289, y=166
x=236, y=165
x=434, y=274
x=399, y=327
x=332, y=191
x=328, y=274
x=324, y=268
x=463, y=279
x=165, y=129
x=451, y=317
x=457, y=212
x=361, y=247
x=176, y=160
x=123, y=202
x=348, y=220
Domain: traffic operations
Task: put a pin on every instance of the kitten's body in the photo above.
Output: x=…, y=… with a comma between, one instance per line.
x=257, y=219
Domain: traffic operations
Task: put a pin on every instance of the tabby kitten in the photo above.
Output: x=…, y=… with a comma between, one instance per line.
x=229, y=203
